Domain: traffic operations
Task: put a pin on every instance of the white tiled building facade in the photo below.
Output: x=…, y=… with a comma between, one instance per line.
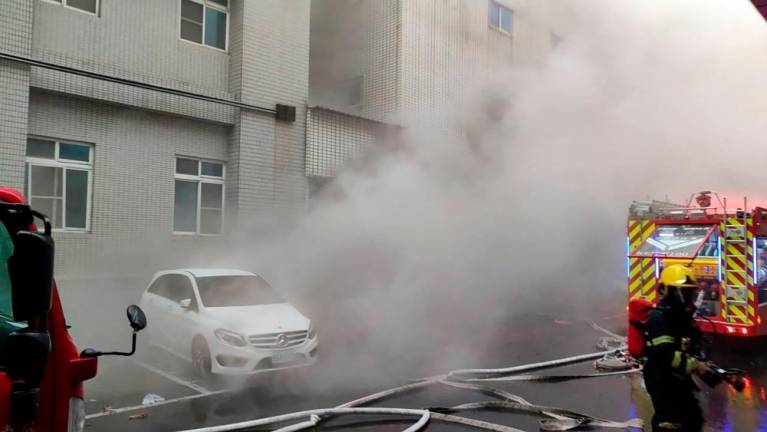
x=397, y=61
x=129, y=173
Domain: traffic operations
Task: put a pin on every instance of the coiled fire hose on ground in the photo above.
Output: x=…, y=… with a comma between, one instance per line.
x=446, y=418
x=561, y=419
x=423, y=415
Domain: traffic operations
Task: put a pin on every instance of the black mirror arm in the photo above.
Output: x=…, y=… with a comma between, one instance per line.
x=90, y=352
x=46, y=222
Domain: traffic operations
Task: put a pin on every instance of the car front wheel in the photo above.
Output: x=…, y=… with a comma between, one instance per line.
x=201, y=358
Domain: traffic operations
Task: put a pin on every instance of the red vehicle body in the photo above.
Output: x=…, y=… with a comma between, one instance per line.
x=726, y=249
x=65, y=371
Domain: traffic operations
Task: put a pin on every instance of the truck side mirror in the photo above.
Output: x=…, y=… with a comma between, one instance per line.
x=31, y=273
x=137, y=321
x=30, y=352
x=136, y=318
x=25, y=369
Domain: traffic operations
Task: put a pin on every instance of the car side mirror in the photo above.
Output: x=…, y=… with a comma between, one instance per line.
x=136, y=318
x=185, y=303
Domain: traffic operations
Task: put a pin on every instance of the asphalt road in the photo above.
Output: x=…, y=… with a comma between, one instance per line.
x=124, y=382
x=347, y=370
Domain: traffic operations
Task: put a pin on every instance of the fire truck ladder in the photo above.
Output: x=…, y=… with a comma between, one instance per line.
x=734, y=264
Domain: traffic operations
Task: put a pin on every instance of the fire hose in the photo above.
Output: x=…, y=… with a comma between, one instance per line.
x=552, y=378
x=423, y=415
x=487, y=373
x=561, y=419
x=446, y=418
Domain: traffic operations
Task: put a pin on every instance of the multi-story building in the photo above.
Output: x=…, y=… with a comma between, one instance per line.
x=151, y=128
x=397, y=62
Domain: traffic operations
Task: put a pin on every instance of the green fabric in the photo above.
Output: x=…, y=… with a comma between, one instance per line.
x=7, y=324
x=6, y=250
x=677, y=361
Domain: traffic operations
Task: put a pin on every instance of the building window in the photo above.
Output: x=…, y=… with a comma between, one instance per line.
x=499, y=17
x=58, y=181
x=199, y=197
x=90, y=6
x=204, y=22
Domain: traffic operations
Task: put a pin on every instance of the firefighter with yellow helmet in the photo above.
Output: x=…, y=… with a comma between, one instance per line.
x=673, y=349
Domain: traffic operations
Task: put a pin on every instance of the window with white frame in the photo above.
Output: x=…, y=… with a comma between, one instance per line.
x=90, y=6
x=199, y=197
x=499, y=16
x=205, y=22
x=58, y=181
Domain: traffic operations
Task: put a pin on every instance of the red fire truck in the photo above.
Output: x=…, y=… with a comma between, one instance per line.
x=725, y=247
x=41, y=373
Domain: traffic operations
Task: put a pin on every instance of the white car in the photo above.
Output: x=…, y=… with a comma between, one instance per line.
x=227, y=322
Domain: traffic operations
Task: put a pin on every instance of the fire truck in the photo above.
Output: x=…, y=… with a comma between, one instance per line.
x=41, y=372
x=724, y=246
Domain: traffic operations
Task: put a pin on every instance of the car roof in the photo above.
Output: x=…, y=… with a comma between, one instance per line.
x=209, y=272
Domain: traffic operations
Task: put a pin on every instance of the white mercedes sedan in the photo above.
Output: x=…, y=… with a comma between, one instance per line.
x=227, y=322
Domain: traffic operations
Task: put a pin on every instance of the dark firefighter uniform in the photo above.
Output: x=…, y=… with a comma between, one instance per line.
x=673, y=342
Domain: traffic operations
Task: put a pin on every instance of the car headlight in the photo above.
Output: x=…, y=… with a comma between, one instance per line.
x=312, y=331
x=76, y=415
x=230, y=337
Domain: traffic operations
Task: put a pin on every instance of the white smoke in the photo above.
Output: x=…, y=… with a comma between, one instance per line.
x=448, y=237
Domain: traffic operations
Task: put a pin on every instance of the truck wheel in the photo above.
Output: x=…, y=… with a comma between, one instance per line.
x=201, y=358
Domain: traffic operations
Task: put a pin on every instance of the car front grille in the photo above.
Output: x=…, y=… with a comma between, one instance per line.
x=270, y=340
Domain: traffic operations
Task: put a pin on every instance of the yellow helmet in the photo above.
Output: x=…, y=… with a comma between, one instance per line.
x=677, y=275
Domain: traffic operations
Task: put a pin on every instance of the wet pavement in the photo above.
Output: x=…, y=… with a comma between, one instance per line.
x=617, y=398
x=747, y=411
x=523, y=339
x=124, y=382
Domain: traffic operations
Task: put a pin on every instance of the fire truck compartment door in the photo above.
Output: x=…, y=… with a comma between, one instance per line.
x=674, y=241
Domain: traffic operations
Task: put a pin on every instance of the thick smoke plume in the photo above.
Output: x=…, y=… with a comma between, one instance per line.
x=427, y=253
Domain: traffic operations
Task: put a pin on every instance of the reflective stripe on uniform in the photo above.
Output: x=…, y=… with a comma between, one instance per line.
x=660, y=340
x=680, y=359
x=677, y=361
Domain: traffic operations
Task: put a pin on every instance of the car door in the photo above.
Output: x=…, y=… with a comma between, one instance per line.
x=157, y=305
x=182, y=321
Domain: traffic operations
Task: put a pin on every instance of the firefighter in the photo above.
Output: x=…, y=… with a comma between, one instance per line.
x=673, y=352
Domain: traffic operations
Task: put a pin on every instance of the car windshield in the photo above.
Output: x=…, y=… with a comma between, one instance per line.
x=223, y=291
